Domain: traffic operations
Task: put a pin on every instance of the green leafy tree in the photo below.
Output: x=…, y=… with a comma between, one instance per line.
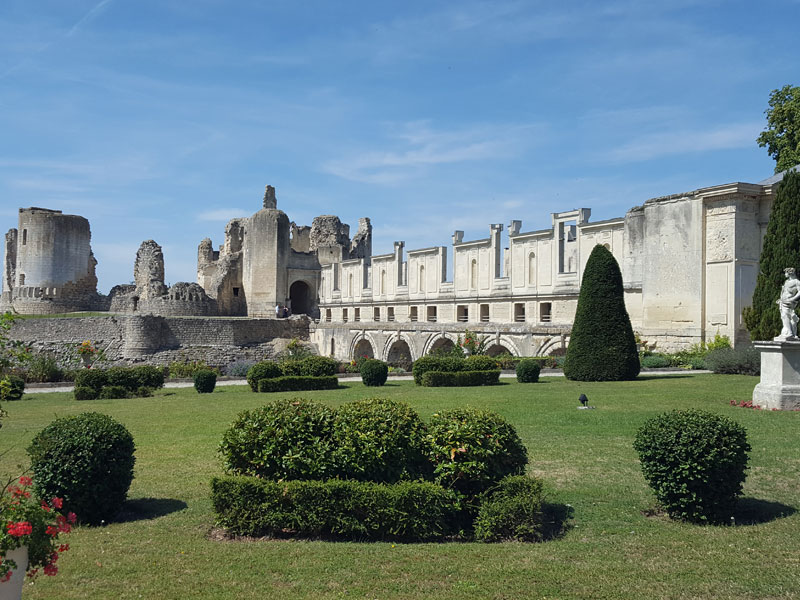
x=602, y=346
x=782, y=135
x=781, y=250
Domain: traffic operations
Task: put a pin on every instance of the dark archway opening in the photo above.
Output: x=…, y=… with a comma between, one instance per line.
x=442, y=346
x=498, y=350
x=300, y=298
x=363, y=349
x=399, y=355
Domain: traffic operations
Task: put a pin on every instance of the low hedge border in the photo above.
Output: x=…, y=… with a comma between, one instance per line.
x=343, y=509
x=118, y=382
x=460, y=378
x=298, y=383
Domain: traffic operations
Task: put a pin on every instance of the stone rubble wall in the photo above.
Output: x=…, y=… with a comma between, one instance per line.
x=130, y=339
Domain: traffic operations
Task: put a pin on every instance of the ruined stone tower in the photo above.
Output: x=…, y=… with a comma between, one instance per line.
x=49, y=266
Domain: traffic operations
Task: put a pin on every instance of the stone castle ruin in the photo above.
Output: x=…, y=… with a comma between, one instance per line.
x=689, y=263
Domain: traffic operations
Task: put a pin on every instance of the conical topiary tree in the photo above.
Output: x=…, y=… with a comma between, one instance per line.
x=781, y=250
x=601, y=346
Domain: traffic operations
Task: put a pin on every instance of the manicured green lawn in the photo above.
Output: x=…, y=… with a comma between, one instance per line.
x=162, y=548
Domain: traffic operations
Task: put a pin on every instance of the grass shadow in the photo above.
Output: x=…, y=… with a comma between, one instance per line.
x=142, y=509
x=753, y=511
x=556, y=520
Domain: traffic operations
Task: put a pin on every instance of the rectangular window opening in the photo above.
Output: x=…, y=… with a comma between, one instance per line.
x=376, y=314
x=432, y=314
x=390, y=313
x=484, y=313
x=519, y=313
x=414, y=315
x=462, y=314
x=546, y=312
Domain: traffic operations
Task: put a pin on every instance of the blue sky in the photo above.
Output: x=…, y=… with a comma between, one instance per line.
x=163, y=119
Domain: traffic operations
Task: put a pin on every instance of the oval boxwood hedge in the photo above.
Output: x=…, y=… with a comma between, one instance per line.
x=286, y=439
x=472, y=450
x=528, y=370
x=262, y=370
x=205, y=380
x=695, y=462
x=87, y=460
x=380, y=440
x=374, y=372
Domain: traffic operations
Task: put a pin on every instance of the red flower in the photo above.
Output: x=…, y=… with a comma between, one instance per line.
x=50, y=569
x=57, y=503
x=19, y=529
x=51, y=530
x=72, y=517
x=25, y=480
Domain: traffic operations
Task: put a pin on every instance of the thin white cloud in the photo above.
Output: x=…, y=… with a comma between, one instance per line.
x=222, y=214
x=423, y=147
x=739, y=135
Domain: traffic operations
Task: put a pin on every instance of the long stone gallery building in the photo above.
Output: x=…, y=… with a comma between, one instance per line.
x=688, y=260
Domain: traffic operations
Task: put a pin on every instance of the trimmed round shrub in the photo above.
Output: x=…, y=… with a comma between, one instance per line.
x=602, y=346
x=16, y=387
x=286, y=439
x=695, y=462
x=310, y=366
x=262, y=370
x=148, y=376
x=380, y=440
x=479, y=362
x=93, y=378
x=512, y=511
x=113, y=392
x=205, y=381
x=374, y=372
x=87, y=460
x=124, y=377
x=472, y=450
x=528, y=370
x=85, y=393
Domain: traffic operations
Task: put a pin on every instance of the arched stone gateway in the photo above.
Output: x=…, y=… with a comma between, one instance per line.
x=399, y=355
x=363, y=348
x=300, y=298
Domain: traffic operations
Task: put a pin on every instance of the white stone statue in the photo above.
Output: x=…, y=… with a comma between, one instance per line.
x=790, y=295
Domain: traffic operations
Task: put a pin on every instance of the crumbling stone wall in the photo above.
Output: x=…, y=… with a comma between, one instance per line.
x=361, y=246
x=148, y=271
x=130, y=339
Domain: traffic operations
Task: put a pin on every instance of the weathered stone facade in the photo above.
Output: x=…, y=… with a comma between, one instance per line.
x=689, y=264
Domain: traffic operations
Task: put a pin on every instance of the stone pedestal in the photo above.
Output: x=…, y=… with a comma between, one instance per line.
x=780, y=375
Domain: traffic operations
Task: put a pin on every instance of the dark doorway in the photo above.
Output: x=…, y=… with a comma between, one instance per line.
x=300, y=298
